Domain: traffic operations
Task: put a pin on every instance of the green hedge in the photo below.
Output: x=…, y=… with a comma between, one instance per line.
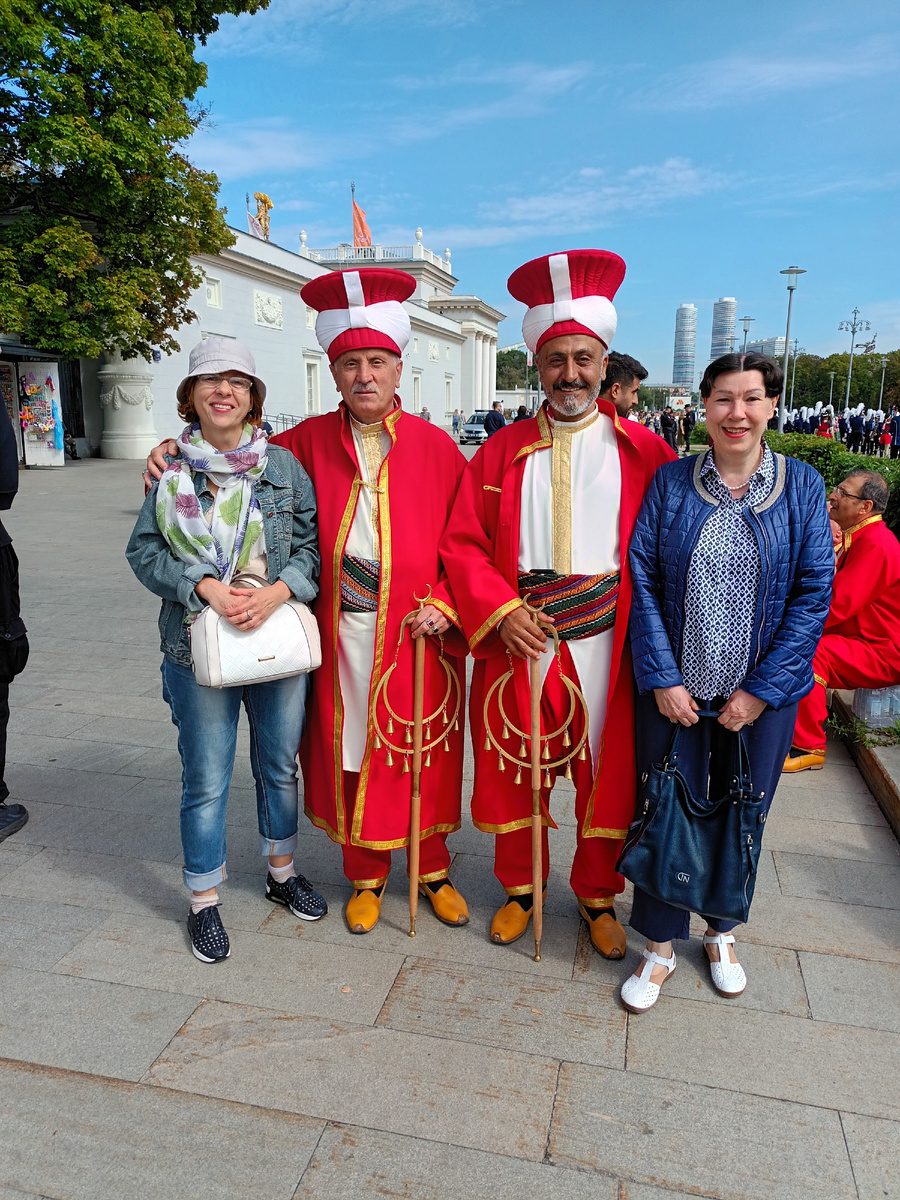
x=832, y=460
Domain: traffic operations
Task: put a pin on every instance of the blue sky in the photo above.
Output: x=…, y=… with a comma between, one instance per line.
x=709, y=144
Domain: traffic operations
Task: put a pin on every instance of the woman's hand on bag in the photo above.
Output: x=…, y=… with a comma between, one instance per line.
x=427, y=622
x=741, y=709
x=244, y=608
x=677, y=704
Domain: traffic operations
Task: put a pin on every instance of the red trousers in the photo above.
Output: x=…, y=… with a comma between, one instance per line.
x=842, y=662
x=593, y=878
x=366, y=868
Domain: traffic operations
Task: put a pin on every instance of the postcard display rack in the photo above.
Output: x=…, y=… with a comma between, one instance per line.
x=9, y=383
x=40, y=415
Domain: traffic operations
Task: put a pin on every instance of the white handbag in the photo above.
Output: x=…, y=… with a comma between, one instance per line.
x=286, y=644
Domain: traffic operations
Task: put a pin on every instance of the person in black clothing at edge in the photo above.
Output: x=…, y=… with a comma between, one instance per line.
x=13, y=642
x=494, y=421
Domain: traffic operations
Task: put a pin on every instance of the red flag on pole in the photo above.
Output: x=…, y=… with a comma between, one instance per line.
x=361, y=234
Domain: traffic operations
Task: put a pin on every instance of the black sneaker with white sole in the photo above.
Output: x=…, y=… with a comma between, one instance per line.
x=209, y=941
x=298, y=895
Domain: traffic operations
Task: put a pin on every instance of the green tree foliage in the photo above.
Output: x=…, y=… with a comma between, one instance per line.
x=812, y=381
x=511, y=371
x=100, y=211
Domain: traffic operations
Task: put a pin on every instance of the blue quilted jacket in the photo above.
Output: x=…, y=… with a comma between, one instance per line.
x=797, y=556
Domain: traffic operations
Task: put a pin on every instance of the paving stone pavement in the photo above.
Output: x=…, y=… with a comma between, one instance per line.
x=315, y=1065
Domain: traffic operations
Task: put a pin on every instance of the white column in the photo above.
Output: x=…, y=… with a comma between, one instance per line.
x=479, y=372
x=485, y=371
x=492, y=374
x=126, y=401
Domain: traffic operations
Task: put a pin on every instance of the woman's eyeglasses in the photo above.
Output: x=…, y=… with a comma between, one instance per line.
x=237, y=383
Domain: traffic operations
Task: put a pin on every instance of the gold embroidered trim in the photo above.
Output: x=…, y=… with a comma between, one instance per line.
x=384, y=595
x=509, y=827
x=434, y=876
x=561, y=483
x=617, y=835
x=450, y=613
x=525, y=890
x=399, y=843
x=363, y=885
x=822, y=682
x=848, y=536
x=338, y=734
x=546, y=438
x=321, y=823
x=487, y=487
x=494, y=619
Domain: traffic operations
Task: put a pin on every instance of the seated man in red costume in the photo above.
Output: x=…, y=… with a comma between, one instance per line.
x=861, y=643
x=385, y=483
x=546, y=509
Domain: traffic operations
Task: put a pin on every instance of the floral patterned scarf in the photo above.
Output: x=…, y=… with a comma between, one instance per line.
x=227, y=541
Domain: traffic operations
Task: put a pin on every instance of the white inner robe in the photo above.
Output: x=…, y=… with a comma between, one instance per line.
x=590, y=508
x=356, y=631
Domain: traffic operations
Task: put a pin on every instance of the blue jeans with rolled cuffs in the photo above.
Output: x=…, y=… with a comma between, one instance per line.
x=705, y=754
x=207, y=723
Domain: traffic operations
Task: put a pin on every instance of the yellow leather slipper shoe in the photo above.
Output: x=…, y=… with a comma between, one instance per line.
x=607, y=934
x=813, y=760
x=363, y=910
x=448, y=904
x=511, y=921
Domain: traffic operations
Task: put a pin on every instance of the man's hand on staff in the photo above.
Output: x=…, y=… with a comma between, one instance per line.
x=521, y=636
x=677, y=704
x=428, y=622
x=741, y=709
x=156, y=461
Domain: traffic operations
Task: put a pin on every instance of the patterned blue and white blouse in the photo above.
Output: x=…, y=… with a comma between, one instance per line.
x=723, y=585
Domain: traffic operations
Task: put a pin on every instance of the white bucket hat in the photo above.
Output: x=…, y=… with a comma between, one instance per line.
x=217, y=354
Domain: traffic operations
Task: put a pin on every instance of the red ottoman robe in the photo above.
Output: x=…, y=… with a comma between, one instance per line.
x=480, y=551
x=861, y=643
x=418, y=481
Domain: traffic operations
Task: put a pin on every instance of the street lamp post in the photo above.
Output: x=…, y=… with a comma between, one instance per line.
x=746, y=322
x=831, y=375
x=884, y=363
x=853, y=328
x=792, y=274
x=794, y=371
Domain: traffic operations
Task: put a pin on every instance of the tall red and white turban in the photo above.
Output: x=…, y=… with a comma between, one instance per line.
x=361, y=310
x=568, y=293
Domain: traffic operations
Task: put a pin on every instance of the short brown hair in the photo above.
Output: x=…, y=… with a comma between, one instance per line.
x=188, y=413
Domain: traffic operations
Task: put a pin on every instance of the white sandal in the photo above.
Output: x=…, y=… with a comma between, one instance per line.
x=638, y=993
x=728, y=978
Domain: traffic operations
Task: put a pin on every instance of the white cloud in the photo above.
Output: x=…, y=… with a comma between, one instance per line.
x=576, y=207
x=291, y=23
x=239, y=149
x=741, y=78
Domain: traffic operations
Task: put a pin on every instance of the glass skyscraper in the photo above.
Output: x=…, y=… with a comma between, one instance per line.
x=724, y=317
x=685, y=346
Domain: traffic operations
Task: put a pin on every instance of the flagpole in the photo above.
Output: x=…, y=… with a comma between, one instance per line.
x=353, y=216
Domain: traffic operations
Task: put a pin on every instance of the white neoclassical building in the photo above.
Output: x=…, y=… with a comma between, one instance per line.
x=251, y=292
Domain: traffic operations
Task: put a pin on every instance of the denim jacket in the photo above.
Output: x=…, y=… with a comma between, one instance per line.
x=288, y=502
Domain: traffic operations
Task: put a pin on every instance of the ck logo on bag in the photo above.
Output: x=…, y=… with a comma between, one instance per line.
x=683, y=877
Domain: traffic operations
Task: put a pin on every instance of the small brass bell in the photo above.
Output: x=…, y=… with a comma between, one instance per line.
x=487, y=742
x=518, y=778
x=566, y=740
x=405, y=764
x=428, y=733
x=501, y=765
x=407, y=737
x=568, y=773
x=446, y=746
x=582, y=754
x=522, y=751
x=428, y=759
x=444, y=714
x=389, y=758
x=390, y=725
x=545, y=753
x=505, y=733
x=376, y=745
x=456, y=726
x=548, y=782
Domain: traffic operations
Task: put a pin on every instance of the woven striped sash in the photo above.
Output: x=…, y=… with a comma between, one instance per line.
x=360, y=578
x=583, y=605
